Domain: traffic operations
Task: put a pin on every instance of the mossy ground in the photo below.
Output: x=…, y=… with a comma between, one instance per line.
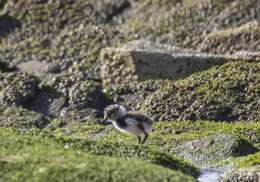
x=250, y=160
x=164, y=134
x=32, y=158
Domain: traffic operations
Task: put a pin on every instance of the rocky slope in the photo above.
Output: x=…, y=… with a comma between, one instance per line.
x=190, y=64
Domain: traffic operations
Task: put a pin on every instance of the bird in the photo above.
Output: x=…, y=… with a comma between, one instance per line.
x=133, y=123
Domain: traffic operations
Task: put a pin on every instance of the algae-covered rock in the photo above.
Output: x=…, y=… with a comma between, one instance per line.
x=18, y=117
x=247, y=169
x=48, y=102
x=78, y=90
x=244, y=37
x=81, y=23
x=17, y=88
x=132, y=72
x=229, y=92
x=247, y=174
x=141, y=60
x=76, y=98
x=165, y=135
x=214, y=148
x=186, y=23
x=30, y=158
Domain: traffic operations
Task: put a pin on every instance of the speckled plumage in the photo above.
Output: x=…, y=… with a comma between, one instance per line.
x=128, y=122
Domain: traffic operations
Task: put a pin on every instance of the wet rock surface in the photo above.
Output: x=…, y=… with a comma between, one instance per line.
x=211, y=149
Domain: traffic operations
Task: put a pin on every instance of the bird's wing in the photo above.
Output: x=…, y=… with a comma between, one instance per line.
x=131, y=121
x=139, y=117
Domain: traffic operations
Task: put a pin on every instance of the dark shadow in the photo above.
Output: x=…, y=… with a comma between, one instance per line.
x=8, y=24
x=117, y=10
x=6, y=68
x=47, y=101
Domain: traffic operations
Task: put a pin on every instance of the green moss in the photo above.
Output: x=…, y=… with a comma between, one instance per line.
x=165, y=135
x=27, y=158
x=145, y=153
x=250, y=160
x=81, y=136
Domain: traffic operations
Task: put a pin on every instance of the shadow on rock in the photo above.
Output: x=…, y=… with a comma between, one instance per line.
x=8, y=24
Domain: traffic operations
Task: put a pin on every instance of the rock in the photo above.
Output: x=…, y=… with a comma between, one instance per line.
x=18, y=117
x=246, y=174
x=48, y=102
x=142, y=61
x=80, y=23
x=78, y=90
x=226, y=93
x=73, y=98
x=212, y=149
x=79, y=113
x=187, y=23
x=37, y=68
x=17, y=88
x=245, y=37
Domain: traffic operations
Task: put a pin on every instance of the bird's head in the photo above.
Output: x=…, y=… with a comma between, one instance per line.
x=112, y=112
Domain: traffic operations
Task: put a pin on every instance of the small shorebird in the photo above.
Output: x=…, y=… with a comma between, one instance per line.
x=128, y=122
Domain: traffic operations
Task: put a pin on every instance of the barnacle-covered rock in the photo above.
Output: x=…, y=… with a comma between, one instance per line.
x=229, y=92
x=17, y=88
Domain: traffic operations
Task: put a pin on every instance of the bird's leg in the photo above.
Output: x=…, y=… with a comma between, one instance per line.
x=139, y=139
x=145, y=137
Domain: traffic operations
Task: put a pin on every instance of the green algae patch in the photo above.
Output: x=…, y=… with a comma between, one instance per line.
x=247, y=161
x=136, y=152
x=28, y=158
x=95, y=139
x=165, y=135
x=241, y=139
